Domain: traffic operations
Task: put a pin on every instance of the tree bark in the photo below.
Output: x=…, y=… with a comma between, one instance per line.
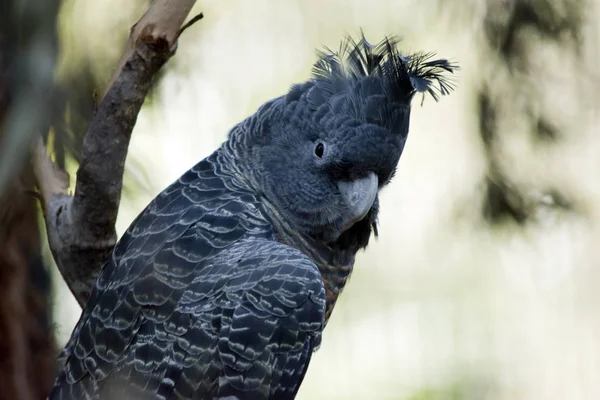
x=81, y=228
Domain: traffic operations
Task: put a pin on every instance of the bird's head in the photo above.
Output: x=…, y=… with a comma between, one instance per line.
x=323, y=151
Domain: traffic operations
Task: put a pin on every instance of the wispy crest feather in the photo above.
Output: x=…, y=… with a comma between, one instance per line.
x=404, y=75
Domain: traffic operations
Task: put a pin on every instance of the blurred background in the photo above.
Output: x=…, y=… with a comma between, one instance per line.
x=484, y=282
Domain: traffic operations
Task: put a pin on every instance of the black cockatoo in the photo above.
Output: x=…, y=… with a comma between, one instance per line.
x=222, y=286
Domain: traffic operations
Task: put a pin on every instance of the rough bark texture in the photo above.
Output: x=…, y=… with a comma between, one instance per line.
x=81, y=228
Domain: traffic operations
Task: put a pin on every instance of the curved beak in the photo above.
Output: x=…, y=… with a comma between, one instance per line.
x=359, y=196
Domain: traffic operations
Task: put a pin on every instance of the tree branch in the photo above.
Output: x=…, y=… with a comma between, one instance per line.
x=81, y=228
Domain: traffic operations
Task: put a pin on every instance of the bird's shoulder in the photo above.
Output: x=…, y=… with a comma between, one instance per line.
x=198, y=272
x=200, y=214
x=243, y=324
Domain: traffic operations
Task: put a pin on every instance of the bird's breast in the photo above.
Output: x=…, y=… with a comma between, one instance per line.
x=334, y=279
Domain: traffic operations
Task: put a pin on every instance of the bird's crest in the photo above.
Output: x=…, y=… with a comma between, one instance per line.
x=403, y=75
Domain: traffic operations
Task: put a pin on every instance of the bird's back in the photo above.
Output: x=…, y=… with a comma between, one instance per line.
x=183, y=307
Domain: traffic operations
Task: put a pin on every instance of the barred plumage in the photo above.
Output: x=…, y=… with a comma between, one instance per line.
x=222, y=286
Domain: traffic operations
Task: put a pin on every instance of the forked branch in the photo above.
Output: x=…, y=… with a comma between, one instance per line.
x=81, y=227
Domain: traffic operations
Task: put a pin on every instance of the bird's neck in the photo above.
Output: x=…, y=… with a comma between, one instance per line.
x=334, y=263
x=334, y=260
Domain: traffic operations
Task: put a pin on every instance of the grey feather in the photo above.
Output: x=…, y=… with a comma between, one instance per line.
x=222, y=286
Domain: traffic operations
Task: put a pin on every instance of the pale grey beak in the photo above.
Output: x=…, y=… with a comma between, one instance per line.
x=359, y=196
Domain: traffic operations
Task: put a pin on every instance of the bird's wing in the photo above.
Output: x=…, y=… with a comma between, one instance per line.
x=193, y=306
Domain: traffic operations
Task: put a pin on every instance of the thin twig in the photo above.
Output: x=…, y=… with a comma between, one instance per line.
x=191, y=22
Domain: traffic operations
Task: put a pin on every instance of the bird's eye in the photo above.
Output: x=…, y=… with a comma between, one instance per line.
x=319, y=149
